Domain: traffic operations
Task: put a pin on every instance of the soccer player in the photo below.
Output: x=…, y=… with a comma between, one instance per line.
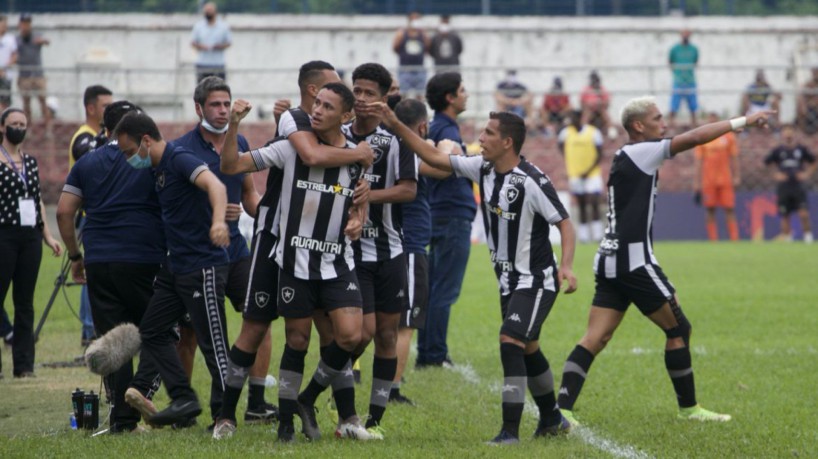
x=119, y=271
x=717, y=172
x=793, y=165
x=315, y=260
x=520, y=204
x=380, y=263
x=212, y=98
x=625, y=267
x=193, y=202
x=582, y=147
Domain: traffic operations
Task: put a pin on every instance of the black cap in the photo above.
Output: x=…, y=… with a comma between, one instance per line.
x=114, y=113
x=25, y=17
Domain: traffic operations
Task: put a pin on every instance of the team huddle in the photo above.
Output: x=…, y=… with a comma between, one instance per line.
x=162, y=249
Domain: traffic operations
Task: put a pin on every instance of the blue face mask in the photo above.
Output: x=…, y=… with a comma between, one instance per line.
x=138, y=162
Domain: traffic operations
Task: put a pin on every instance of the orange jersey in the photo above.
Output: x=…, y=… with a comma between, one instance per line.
x=715, y=157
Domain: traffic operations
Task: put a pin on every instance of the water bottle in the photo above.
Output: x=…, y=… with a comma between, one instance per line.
x=90, y=416
x=72, y=420
x=77, y=400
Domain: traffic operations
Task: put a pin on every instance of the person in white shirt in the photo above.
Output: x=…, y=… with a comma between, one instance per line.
x=211, y=36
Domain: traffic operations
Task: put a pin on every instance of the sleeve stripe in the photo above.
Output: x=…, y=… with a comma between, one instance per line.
x=197, y=171
x=72, y=189
x=258, y=160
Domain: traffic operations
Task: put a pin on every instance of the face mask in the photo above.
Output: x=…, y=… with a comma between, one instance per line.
x=412, y=24
x=209, y=17
x=393, y=100
x=443, y=28
x=15, y=135
x=209, y=127
x=138, y=162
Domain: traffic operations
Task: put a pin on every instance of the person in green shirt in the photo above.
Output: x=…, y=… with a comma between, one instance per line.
x=683, y=59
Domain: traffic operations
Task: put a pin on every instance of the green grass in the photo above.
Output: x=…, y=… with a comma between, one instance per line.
x=754, y=352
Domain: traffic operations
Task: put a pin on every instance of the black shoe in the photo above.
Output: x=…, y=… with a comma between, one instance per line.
x=504, y=438
x=397, y=397
x=309, y=425
x=562, y=427
x=425, y=365
x=262, y=414
x=177, y=412
x=286, y=433
x=185, y=424
x=25, y=374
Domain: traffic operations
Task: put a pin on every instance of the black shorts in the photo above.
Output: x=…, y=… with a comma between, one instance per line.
x=260, y=303
x=646, y=287
x=237, y=279
x=383, y=285
x=417, y=287
x=524, y=312
x=299, y=298
x=791, y=198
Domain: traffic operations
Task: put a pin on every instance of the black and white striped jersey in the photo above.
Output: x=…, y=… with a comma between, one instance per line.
x=382, y=235
x=632, y=188
x=518, y=209
x=314, y=209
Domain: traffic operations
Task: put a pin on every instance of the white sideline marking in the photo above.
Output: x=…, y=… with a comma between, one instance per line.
x=584, y=433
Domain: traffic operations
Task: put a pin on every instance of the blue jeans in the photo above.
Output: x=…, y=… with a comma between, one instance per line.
x=448, y=256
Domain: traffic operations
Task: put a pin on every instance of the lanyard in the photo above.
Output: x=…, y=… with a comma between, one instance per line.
x=20, y=173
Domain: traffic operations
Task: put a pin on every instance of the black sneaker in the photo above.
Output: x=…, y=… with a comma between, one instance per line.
x=262, y=414
x=560, y=428
x=185, y=424
x=309, y=424
x=178, y=411
x=286, y=433
x=400, y=398
x=504, y=438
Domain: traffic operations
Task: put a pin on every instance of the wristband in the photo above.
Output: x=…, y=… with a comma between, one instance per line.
x=738, y=123
x=76, y=257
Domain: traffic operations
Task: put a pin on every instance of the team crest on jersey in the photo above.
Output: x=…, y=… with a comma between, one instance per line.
x=512, y=194
x=262, y=298
x=287, y=294
x=543, y=180
x=516, y=179
x=354, y=170
x=160, y=179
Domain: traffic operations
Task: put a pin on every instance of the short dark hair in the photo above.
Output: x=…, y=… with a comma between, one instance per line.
x=92, y=92
x=310, y=71
x=208, y=85
x=137, y=125
x=510, y=125
x=347, y=98
x=411, y=112
x=8, y=112
x=440, y=86
x=113, y=113
x=373, y=72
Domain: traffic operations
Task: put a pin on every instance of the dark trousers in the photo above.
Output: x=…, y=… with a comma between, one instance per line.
x=120, y=293
x=21, y=250
x=201, y=295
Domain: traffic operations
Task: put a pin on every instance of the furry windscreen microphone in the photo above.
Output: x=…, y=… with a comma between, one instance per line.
x=114, y=349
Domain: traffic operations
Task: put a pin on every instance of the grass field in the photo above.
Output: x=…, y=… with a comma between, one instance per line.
x=754, y=353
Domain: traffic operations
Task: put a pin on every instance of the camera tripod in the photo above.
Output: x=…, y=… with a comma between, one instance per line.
x=61, y=281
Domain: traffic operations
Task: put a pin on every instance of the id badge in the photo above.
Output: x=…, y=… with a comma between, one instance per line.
x=28, y=212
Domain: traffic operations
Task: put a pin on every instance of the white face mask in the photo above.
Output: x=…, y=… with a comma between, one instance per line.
x=444, y=28
x=209, y=127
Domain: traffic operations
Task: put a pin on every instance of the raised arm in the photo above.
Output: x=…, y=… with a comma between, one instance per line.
x=217, y=194
x=708, y=132
x=231, y=161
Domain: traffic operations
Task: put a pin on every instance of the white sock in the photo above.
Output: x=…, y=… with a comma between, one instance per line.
x=597, y=230
x=583, y=232
x=808, y=237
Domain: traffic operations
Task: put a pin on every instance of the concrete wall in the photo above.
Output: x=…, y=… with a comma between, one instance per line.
x=148, y=57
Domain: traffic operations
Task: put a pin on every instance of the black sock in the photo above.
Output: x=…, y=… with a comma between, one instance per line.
x=383, y=372
x=238, y=366
x=290, y=375
x=255, y=392
x=343, y=390
x=541, y=386
x=573, y=376
x=514, y=383
x=328, y=368
x=680, y=370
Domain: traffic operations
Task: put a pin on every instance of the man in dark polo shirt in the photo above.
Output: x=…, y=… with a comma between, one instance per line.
x=193, y=202
x=119, y=270
x=453, y=209
x=212, y=98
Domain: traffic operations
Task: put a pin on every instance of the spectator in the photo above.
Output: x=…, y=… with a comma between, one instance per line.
x=446, y=47
x=513, y=96
x=717, y=172
x=683, y=59
x=807, y=117
x=761, y=96
x=32, y=77
x=23, y=227
x=411, y=45
x=581, y=144
x=594, y=101
x=793, y=165
x=556, y=107
x=8, y=57
x=211, y=36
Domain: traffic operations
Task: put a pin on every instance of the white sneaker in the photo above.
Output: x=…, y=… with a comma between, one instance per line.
x=808, y=237
x=224, y=428
x=356, y=431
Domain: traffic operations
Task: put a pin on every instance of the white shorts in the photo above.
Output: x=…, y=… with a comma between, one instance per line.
x=591, y=185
